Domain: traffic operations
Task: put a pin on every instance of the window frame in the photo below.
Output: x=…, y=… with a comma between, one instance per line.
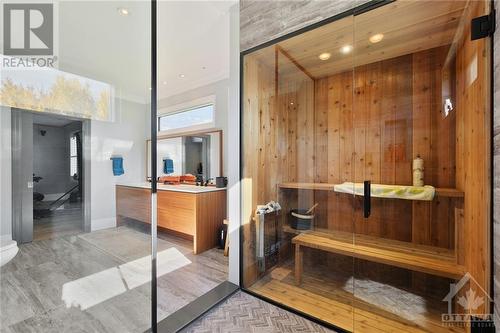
x=71, y=156
x=186, y=107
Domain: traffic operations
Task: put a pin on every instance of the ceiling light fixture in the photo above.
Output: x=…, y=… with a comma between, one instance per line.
x=346, y=49
x=164, y=82
x=324, y=56
x=182, y=76
x=376, y=38
x=123, y=11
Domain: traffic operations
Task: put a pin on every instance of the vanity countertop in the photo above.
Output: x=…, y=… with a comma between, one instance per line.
x=176, y=188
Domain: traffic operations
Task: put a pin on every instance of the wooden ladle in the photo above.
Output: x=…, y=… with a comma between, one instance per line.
x=312, y=208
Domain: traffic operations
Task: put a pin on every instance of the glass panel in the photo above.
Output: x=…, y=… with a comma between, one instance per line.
x=193, y=89
x=415, y=124
x=297, y=151
x=73, y=134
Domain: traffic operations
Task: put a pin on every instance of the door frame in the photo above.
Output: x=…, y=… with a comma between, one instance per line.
x=21, y=225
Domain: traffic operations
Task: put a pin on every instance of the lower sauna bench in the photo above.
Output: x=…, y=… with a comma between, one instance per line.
x=425, y=259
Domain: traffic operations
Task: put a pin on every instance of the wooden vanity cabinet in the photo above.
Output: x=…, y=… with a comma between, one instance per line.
x=196, y=216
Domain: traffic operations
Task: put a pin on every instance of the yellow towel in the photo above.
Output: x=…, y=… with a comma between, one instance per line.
x=406, y=192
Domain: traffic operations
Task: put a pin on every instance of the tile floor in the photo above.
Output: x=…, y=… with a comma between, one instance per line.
x=65, y=221
x=246, y=314
x=98, y=282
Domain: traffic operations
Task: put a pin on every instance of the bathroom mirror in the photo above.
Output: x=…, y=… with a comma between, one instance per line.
x=197, y=153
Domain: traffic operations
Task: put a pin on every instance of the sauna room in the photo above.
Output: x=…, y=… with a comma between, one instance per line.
x=366, y=169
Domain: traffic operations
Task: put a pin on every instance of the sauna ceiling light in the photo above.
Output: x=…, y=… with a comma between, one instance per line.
x=324, y=56
x=376, y=38
x=346, y=49
x=123, y=11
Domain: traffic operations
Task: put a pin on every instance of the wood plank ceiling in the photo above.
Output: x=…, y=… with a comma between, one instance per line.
x=407, y=27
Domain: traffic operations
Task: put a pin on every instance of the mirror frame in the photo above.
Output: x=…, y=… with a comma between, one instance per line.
x=192, y=133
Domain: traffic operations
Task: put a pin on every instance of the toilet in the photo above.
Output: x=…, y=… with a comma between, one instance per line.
x=8, y=249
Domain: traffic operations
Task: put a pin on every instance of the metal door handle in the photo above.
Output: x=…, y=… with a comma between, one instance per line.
x=367, y=199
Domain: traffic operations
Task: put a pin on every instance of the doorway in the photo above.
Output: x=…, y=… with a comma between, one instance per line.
x=48, y=158
x=57, y=177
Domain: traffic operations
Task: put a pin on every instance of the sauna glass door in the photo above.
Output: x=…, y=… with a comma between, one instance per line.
x=420, y=98
x=372, y=133
x=297, y=147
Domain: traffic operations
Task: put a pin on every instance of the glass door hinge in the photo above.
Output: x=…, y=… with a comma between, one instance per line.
x=483, y=26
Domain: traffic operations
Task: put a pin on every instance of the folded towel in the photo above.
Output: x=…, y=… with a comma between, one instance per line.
x=117, y=166
x=170, y=179
x=168, y=166
x=188, y=178
x=407, y=192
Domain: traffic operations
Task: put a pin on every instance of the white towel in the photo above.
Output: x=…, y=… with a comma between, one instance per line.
x=406, y=192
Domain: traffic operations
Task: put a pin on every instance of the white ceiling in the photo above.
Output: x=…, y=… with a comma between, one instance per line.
x=95, y=41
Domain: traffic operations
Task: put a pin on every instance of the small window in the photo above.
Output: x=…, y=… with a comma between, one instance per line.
x=73, y=157
x=188, y=118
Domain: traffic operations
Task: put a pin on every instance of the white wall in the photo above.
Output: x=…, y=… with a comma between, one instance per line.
x=125, y=137
x=215, y=155
x=5, y=174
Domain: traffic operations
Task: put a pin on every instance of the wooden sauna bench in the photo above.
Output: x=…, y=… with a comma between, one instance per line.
x=420, y=258
x=192, y=212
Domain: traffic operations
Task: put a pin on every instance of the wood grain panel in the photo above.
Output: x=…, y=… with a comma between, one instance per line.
x=196, y=216
x=210, y=215
x=369, y=122
x=473, y=157
x=133, y=203
x=408, y=27
x=266, y=158
x=176, y=211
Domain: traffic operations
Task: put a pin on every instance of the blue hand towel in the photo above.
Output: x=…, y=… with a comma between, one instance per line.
x=117, y=166
x=168, y=166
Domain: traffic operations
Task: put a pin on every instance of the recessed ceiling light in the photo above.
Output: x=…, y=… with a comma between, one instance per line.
x=164, y=82
x=182, y=76
x=324, y=56
x=150, y=88
x=376, y=38
x=346, y=49
x=123, y=11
